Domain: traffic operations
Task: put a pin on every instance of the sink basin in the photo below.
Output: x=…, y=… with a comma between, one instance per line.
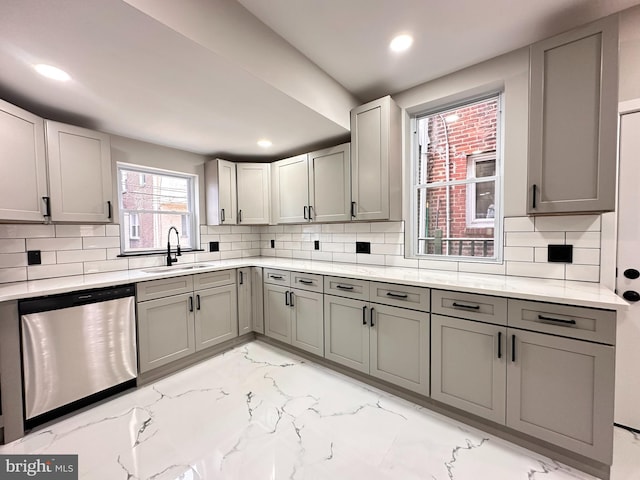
x=177, y=268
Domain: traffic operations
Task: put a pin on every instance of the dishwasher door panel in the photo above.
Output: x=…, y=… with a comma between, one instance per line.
x=74, y=352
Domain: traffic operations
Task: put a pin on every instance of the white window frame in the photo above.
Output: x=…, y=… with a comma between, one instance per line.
x=472, y=161
x=413, y=228
x=192, y=198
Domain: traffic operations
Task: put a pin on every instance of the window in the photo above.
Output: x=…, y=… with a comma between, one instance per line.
x=456, y=182
x=152, y=201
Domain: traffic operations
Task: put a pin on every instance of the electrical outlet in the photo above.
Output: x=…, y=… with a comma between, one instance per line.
x=560, y=253
x=316, y=244
x=34, y=257
x=273, y=244
x=363, y=247
x=214, y=246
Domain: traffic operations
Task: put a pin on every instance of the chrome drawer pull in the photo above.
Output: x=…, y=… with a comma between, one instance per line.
x=397, y=295
x=462, y=305
x=559, y=320
x=306, y=282
x=344, y=287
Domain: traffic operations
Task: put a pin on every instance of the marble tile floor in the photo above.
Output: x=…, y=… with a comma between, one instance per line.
x=257, y=412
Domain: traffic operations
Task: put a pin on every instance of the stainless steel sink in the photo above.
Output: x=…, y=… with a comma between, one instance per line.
x=177, y=268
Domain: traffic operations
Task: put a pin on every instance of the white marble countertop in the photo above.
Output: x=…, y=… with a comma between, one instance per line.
x=557, y=291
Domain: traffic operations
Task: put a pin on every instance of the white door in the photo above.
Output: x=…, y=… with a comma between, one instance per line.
x=627, y=410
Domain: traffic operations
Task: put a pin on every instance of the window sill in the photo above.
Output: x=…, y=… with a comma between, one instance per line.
x=158, y=252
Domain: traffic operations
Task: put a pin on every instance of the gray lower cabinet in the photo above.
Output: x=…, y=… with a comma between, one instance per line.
x=257, y=320
x=468, y=366
x=277, y=318
x=245, y=302
x=216, y=318
x=387, y=342
x=165, y=331
x=561, y=390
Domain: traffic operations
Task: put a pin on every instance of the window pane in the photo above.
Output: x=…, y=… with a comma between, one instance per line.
x=152, y=230
x=486, y=168
x=485, y=199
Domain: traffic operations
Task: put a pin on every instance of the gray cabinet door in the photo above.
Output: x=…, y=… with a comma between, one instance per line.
x=307, y=327
x=216, y=318
x=330, y=184
x=346, y=332
x=245, y=303
x=277, y=314
x=227, y=193
x=573, y=120
x=400, y=347
x=254, y=193
x=165, y=330
x=79, y=174
x=468, y=366
x=561, y=390
x=376, y=166
x=290, y=192
x=23, y=171
x=256, y=299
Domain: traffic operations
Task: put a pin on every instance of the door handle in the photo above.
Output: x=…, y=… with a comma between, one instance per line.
x=286, y=298
x=305, y=282
x=191, y=304
x=47, y=206
x=499, y=344
x=222, y=215
x=462, y=305
x=198, y=302
x=109, y=212
x=291, y=299
x=364, y=315
x=344, y=287
x=304, y=209
x=513, y=348
x=371, y=317
x=535, y=192
x=353, y=209
x=557, y=320
x=397, y=295
x=310, y=212
x=241, y=278
x=239, y=216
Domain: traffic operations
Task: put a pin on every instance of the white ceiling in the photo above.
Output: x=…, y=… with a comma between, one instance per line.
x=207, y=76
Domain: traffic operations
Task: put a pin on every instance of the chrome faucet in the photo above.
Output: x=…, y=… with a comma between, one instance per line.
x=174, y=259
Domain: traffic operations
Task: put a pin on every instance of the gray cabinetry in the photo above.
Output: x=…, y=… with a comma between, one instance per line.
x=572, y=120
x=221, y=192
x=294, y=314
x=23, y=171
x=290, y=190
x=254, y=193
x=330, y=184
x=257, y=292
x=178, y=316
x=385, y=341
x=376, y=161
x=245, y=302
x=79, y=174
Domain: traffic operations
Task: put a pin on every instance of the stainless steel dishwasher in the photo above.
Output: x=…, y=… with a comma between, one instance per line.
x=76, y=348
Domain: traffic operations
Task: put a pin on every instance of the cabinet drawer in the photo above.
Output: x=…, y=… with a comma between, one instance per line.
x=415, y=298
x=214, y=279
x=347, y=287
x=470, y=306
x=163, y=287
x=575, y=322
x=307, y=281
x=278, y=277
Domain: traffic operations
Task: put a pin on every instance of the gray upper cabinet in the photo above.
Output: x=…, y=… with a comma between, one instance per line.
x=573, y=120
x=23, y=171
x=254, y=193
x=376, y=161
x=80, y=184
x=290, y=193
x=330, y=184
x=221, y=194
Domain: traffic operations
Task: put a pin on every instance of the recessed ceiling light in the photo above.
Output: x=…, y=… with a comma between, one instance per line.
x=401, y=43
x=452, y=118
x=264, y=143
x=52, y=72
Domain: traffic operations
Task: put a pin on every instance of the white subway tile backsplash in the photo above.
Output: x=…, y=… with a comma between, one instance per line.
x=283, y=237
x=369, y=259
x=207, y=256
x=343, y=237
x=322, y=256
x=479, y=267
x=438, y=265
x=8, y=260
x=541, y=254
x=332, y=247
x=519, y=254
x=146, y=262
x=539, y=270
x=218, y=229
x=230, y=254
x=586, y=256
x=344, y=257
x=584, y=273
x=249, y=237
x=533, y=239
x=293, y=229
x=397, y=261
x=80, y=230
x=282, y=253
x=357, y=227
x=12, y=245
x=240, y=229
x=106, y=266
x=394, y=238
x=112, y=253
x=301, y=254
x=387, y=249
x=568, y=223
x=100, y=242
x=315, y=228
x=73, y=256
x=292, y=245
x=332, y=228
x=278, y=228
x=114, y=230
x=231, y=237
x=251, y=252
x=350, y=247
x=27, y=231
x=584, y=239
x=36, y=272
x=13, y=274
x=51, y=244
x=519, y=224
x=48, y=258
x=370, y=237
x=385, y=227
